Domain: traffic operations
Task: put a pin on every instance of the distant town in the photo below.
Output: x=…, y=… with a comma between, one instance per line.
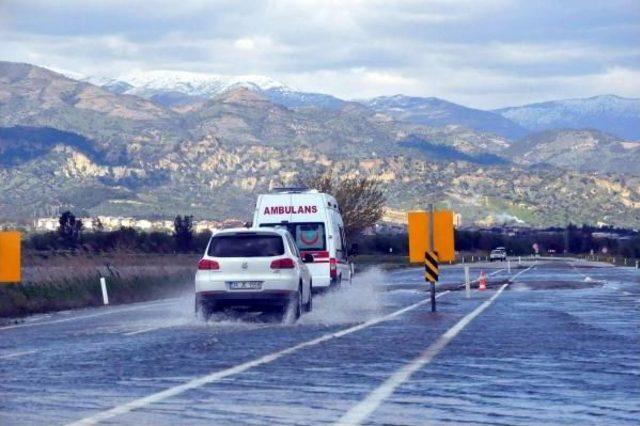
x=113, y=223
x=392, y=222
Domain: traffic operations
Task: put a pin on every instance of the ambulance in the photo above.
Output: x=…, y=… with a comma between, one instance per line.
x=313, y=219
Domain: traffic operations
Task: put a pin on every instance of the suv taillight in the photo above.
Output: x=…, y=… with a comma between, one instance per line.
x=333, y=268
x=285, y=263
x=208, y=265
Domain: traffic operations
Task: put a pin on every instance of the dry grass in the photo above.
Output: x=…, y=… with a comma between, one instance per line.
x=58, y=281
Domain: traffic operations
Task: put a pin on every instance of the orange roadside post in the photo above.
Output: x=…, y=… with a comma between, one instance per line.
x=10, y=257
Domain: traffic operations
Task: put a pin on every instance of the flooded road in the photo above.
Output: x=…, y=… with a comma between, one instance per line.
x=555, y=342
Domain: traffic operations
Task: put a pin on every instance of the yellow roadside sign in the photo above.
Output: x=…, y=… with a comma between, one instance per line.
x=418, y=227
x=10, y=270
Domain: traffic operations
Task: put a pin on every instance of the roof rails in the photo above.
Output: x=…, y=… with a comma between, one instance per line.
x=293, y=189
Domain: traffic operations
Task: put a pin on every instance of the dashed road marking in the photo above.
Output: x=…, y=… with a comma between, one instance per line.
x=143, y=330
x=586, y=277
x=358, y=413
x=489, y=275
x=522, y=272
x=16, y=354
x=99, y=314
x=240, y=368
x=448, y=283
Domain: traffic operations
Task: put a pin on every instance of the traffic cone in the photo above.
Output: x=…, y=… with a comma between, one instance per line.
x=482, y=283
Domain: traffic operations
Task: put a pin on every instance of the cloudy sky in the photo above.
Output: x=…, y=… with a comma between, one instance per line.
x=484, y=54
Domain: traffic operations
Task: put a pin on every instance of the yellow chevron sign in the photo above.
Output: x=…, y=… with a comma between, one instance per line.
x=10, y=270
x=431, y=270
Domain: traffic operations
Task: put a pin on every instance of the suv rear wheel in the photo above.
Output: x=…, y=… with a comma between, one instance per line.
x=204, y=310
x=308, y=307
x=293, y=309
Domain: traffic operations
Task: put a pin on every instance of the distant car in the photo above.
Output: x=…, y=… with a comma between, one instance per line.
x=498, y=253
x=257, y=269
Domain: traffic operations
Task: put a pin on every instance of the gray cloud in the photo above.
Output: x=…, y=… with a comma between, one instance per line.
x=482, y=53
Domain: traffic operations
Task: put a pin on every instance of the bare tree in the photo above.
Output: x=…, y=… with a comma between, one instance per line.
x=361, y=199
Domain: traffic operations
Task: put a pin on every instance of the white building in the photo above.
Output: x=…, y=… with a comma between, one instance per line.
x=45, y=224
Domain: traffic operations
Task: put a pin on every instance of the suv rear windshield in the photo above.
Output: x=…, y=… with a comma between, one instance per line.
x=308, y=236
x=246, y=245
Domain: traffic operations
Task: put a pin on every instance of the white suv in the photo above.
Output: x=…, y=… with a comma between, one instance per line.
x=498, y=253
x=259, y=269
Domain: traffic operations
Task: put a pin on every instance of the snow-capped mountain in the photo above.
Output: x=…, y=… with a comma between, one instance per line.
x=147, y=83
x=171, y=88
x=294, y=99
x=609, y=113
x=438, y=112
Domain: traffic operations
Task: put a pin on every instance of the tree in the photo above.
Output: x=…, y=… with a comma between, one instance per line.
x=361, y=199
x=96, y=224
x=124, y=239
x=69, y=229
x=183, y=232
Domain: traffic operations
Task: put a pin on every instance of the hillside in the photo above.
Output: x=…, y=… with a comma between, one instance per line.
x=608, y=113
x=118, y=125
x=67, y=144
x=586, y=150
x=438, y=112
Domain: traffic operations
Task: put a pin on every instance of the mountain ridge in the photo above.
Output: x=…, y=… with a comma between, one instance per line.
x=438, y=112
x=179, y=88
x=607, y=113
x=584, y=149
x=126, y=155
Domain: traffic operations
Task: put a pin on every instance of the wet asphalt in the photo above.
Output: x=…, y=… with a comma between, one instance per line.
x=560, y=345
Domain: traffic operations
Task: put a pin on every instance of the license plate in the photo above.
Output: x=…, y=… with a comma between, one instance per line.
x=245, y=285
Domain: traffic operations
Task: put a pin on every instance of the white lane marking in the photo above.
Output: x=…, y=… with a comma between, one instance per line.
x=358, y=413
x=522, y=272
x=218, y=375
x=17, y=354
x=451, y=283
x=489, y=275
x=586, y=277
x=99, y=314
x=144, y=330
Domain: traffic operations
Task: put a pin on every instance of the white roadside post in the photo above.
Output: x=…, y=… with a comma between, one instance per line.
x=467, y=282
x=519, y=260
x=103, y=286
x=509, y=265
x=637, y=264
